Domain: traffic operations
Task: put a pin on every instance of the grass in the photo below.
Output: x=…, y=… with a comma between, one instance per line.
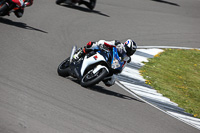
x=175, y=73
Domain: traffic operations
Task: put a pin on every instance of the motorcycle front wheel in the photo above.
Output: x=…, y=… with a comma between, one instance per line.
x=3, y=8
x=63, y=68
x=90, y=79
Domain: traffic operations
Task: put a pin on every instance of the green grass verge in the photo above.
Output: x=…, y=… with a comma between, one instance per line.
x=175, y=73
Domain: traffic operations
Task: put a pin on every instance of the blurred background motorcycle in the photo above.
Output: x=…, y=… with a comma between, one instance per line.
x=90, y=4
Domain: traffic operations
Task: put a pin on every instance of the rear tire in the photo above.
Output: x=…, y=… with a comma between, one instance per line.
x=63, y=68
x=86, y=82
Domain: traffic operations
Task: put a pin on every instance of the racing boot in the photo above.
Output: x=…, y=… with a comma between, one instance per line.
x=109, y=81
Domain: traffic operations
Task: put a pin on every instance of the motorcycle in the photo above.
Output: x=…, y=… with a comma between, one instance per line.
x=91, y=4
x=8, y=6
x=96, y=66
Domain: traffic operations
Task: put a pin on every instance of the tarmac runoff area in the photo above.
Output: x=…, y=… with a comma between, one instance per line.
x=131, y=80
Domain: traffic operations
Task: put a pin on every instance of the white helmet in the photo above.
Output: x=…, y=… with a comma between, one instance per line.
x=130, y=47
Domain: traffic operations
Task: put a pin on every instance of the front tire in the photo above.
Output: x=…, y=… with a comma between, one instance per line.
x=3, y=8
x=90, y=79
x=63, y=68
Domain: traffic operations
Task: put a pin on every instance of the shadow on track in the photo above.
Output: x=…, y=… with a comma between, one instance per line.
x=166, y=2
x=85, y=10
x=105, y=91
x=19, y=24
x=112, y=93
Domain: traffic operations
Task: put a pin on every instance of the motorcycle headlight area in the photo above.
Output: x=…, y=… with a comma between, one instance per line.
x=115, y=64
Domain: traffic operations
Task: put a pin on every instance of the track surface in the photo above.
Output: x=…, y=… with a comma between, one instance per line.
x=33, y=98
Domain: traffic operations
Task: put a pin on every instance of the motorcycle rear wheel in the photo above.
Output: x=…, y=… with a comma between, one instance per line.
x=63, y=68
x=90, y=79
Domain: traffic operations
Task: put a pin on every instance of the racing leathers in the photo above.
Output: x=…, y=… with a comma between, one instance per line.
x=109, y=44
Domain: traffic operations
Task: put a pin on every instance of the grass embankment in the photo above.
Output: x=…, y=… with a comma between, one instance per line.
x=175, y=73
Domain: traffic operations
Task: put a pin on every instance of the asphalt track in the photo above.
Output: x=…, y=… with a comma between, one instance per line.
x=33, y=98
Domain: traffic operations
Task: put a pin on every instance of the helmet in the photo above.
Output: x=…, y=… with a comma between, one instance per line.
x=130, y=47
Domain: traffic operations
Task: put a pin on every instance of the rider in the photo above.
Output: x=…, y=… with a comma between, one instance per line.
x=125, y=50
x=22, y=4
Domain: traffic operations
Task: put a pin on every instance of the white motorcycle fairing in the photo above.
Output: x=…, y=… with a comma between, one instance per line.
x=92, y=60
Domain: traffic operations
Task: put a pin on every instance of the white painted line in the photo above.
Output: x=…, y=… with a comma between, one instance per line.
x=185, y=117
x=131, y=92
